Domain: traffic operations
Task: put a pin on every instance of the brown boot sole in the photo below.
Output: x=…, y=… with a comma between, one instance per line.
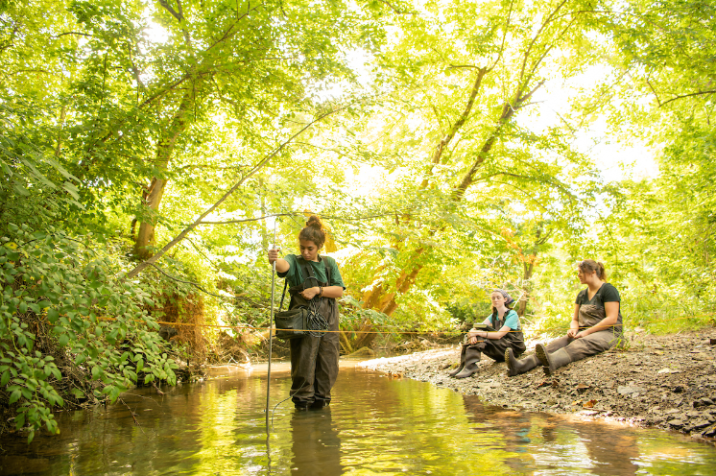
x=511, y=372
x=543, y=357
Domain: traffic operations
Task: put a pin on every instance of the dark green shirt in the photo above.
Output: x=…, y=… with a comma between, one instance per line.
x=319, y=269
x=607, y=293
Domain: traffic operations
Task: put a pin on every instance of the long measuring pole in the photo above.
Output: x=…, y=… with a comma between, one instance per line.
x=273, y=291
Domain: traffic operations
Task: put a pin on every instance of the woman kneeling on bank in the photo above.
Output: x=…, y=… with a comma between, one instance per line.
x=596, y=326
x=492, y=343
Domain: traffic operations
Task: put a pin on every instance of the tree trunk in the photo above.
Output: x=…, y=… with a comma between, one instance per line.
x=387, y=304
x=261, y=164
x=374, y=298
x=155, y=191
x=528, y=269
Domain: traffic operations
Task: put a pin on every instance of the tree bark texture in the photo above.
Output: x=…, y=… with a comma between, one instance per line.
x=155, y=191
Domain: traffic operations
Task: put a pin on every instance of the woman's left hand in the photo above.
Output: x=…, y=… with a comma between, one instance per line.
x=581, y=334
x=310, y=293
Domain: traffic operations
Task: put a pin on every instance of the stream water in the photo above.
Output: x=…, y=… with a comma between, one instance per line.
x=375, y=425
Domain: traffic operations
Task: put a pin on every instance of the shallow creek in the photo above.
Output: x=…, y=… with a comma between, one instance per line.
x=375, y=425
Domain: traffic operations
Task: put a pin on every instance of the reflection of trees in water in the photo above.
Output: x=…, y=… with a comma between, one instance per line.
x=316, y=445
x=404, y=426
x=105, y=439
x=514, y=426
x=594, y=448
x=375, y=425
x=611, y=450
x=192, y=429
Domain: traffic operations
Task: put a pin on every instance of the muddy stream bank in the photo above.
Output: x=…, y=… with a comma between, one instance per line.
x=666, y=382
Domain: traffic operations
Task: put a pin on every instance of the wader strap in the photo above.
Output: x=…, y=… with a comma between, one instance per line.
x=309, y=270
x=328, y=272
x=283, y=295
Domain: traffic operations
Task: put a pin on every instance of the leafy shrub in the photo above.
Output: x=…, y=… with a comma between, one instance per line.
x=71, y=326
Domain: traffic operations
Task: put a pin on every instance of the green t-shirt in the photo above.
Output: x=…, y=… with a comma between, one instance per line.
x=319, y=269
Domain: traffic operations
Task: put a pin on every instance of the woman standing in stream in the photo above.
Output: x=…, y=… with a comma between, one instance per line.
x=596, y=326
x=314, y=360
x=492, y=343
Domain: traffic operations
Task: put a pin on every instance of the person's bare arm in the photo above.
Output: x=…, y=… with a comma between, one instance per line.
x=574, y=325
x=498, y=334
x=328, y=292
x=282, y=265
x=494, y=335
x=612, y=310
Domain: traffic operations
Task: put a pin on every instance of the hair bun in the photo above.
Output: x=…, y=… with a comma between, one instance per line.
x=314, y=222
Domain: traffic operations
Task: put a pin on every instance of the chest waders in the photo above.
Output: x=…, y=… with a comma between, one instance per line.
x=565, y=350
x=314, y=357
x=496, y=349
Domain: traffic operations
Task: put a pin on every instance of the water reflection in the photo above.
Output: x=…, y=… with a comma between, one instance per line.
x=375, y=425
x=316, y=445
x=515, y=428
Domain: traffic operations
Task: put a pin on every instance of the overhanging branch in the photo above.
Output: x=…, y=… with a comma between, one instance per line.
x=140, y=267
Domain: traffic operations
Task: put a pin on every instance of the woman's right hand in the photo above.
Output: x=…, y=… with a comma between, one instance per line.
x=572, y=332
x=472, y=340
x=273, y=255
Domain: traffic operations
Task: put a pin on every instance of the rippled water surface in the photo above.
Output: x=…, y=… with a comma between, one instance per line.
x=374, y=426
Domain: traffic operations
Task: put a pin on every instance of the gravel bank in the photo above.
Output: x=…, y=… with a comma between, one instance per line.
x=665, y=382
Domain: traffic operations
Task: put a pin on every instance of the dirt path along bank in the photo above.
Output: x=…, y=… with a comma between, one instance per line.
x=665, y=382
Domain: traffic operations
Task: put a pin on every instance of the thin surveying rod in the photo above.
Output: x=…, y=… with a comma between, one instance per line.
x=268, y=377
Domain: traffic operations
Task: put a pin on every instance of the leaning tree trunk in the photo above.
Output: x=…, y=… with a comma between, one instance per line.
x=529, y=262
x=377, y=298
x=155, y=191
x=381, y=296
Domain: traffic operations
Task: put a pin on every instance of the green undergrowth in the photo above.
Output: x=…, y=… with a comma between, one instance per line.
x=649, y=312
x=73, y=330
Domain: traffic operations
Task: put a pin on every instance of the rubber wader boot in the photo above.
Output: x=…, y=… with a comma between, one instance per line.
x=472, y=357
x=462, y=363
x=516, y=367
x=318, y=404
x=553, y=361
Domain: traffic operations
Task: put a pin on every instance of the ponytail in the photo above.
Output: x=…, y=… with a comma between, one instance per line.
x=594, y=267
x=602, y=272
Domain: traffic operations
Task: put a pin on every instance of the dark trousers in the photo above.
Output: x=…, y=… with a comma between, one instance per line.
x=314, y=360
x=495, y=348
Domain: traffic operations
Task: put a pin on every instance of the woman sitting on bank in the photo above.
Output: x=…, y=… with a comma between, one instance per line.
x=596, y=326
x=492, y=343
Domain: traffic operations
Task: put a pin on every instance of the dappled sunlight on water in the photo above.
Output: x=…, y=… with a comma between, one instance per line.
x=374, y=426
